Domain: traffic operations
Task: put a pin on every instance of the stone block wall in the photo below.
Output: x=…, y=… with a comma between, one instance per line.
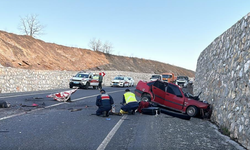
x=22, y=80
x=223, y=75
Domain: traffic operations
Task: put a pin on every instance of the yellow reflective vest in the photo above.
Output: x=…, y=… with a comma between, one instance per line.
x=129, y=97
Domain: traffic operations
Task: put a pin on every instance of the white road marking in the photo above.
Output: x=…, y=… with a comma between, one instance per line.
x=78, y=99
x=41, y=93
x=25, y=94
x=19, y=95
x=105, y=142
x=7, y=117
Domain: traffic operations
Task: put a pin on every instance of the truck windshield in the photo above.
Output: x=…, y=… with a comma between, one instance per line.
x=167, y=76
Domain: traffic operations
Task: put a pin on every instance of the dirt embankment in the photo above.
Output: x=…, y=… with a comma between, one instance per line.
x=19, y=51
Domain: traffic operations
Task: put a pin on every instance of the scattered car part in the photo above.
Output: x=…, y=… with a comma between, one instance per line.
x=62, y=96
x=151, y=110
x=176, y=114
x=4, y=104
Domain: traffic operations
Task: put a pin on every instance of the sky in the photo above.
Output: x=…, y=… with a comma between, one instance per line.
x=169, y=31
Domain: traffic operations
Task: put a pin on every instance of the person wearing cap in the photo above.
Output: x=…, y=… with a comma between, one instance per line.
x=104, y=102
x=130, y=103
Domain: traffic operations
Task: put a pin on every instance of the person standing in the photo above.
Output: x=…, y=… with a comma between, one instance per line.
x=104, y=102
x=100, y=81
x=130, y=103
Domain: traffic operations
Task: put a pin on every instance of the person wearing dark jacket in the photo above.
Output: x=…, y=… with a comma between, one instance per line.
x=130, y=103
x=100, y=81
x=104, y=102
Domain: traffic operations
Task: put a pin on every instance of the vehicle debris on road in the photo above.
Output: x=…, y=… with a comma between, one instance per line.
x=175, y=114
x=33, y=98
x=4, y=104
x=76, y=109
x=34, y=105
x=64, y=96
x=151, y=110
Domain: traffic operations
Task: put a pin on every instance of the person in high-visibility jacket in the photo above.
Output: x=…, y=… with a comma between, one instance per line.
x=130, y=103
x=104, y=102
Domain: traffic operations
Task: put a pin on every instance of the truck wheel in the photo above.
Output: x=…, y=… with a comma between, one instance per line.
x=146, y=98
x=192, y=111
x=70, y=86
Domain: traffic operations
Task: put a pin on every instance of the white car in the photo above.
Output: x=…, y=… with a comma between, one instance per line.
x=182, y=81
x=121, y=81
x=131, y=81
x=84, y=80
x=155, y=77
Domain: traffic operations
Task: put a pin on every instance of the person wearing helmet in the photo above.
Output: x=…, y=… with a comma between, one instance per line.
x=130, y=103
x=104, y=102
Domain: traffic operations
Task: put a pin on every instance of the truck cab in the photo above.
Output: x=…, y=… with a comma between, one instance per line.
x=168, y=77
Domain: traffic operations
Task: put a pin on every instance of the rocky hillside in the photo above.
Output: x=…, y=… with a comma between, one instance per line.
x=20, y=51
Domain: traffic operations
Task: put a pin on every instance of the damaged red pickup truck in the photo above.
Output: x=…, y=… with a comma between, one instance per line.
x=170, y=96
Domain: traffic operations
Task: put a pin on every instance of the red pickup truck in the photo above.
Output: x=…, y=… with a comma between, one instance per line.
x=171, y=96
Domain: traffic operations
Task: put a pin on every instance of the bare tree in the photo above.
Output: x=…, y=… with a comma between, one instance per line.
x=31, y=26
x=107, y=47
x=95, y=45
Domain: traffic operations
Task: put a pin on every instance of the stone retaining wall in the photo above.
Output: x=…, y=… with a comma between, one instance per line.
x=21, y=80
x=223, y=75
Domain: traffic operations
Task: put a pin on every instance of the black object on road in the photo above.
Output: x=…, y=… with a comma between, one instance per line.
x=4, y=104
x=175, y=114
x=151, y=110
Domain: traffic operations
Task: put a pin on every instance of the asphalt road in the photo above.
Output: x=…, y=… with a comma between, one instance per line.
x=70, y=126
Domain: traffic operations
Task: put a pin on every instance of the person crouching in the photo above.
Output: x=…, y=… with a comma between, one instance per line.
x=130, y=103
x=104, y=102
